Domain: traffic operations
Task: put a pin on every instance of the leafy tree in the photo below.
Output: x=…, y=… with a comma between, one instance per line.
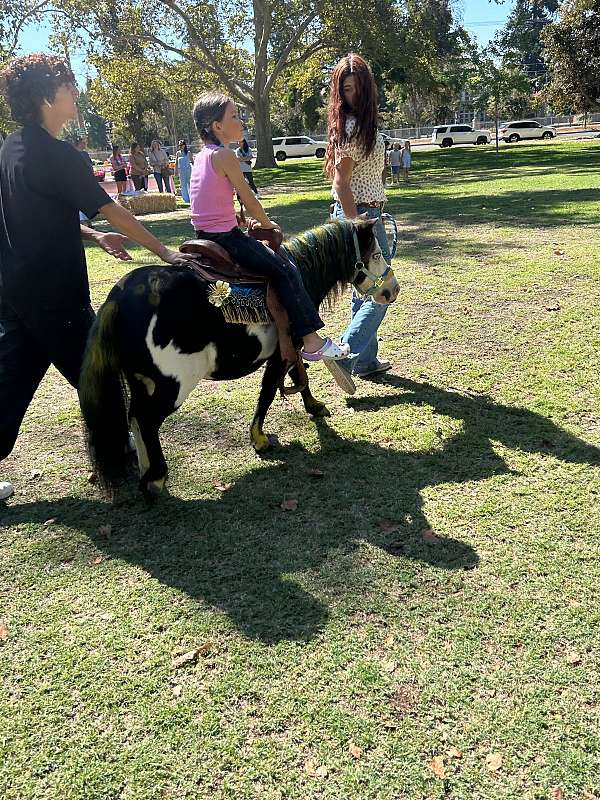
x=495, y=86
x=572, y=50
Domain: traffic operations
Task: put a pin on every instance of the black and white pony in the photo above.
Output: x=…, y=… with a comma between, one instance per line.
x=157, y=335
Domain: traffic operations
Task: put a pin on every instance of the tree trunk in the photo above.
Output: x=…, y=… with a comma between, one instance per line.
x=262, y=121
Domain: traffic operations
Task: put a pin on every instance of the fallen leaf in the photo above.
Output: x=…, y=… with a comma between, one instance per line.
x=355, y=750
x=389, y=640
x=389, y=666
x=223, y=487
x=191, y=655
x=92, y=477
x=572, y=657
x=3, y=632
x=310, y=767
x=556, y=793
x=50, y=521
x=98, y=560
x=288, y=505
x=559, y=252
x=316, y=473
x=493, y=761
x=177, y=690
x=554, y=307
x=454, y=753
x=436, y=765
x=388, y=525
x=35, y=473
x=429, y=537
x=104, y=531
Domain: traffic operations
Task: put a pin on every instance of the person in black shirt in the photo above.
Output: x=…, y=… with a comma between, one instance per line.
x=45, y=312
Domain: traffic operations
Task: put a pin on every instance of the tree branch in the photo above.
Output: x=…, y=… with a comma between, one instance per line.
x=197, y=41
x=25, y=19
x=281, y=61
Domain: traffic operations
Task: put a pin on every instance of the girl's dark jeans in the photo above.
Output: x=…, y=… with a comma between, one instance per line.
x=285, y=278
x=160, y=178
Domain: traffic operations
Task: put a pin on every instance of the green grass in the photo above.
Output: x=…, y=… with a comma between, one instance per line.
x=340, y=623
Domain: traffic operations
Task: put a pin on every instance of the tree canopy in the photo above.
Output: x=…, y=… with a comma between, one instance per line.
x=572, y=49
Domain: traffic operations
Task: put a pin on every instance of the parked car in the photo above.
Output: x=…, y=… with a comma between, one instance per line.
x=525, y=129
x=447, y=135
x=295, y=146
x=390, y=141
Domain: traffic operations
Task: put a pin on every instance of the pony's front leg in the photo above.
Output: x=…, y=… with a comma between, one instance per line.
x=312, y=406
x=268, y=390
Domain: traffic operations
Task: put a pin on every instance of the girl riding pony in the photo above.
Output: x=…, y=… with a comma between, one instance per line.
x=216, y=175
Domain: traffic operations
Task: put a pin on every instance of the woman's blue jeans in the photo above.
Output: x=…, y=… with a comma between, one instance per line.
x=366, y=315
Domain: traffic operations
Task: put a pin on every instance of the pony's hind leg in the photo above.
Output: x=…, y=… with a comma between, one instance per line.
x=145, y=419
x=268, y=390
x=312, y=406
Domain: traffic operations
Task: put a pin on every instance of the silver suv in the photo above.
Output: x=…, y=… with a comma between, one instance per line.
x=525, y=129
x=447, y=135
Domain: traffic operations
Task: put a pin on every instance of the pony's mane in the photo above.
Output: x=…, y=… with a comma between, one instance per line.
x=324, y=254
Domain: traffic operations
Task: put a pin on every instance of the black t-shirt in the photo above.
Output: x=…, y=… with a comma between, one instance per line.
x=44, y=183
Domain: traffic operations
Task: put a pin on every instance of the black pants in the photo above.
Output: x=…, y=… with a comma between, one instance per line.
x=140, y=182
x=250, y=181
x=29, y=343
x=285, y=278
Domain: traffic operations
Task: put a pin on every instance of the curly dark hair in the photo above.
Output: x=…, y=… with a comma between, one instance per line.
x=365, y=132
x=29, y=80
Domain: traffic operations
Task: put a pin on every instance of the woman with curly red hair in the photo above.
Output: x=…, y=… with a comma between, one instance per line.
x=355, y=161
x=45, y=311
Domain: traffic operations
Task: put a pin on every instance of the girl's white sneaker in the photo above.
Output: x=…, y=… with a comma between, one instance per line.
x=6, y=490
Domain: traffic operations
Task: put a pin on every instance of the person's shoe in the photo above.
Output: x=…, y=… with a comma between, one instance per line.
x=340, y=375
x=6, y=490
x=379, y=366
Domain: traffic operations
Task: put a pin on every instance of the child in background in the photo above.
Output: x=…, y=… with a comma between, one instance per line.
x=406, y=159
x=394, y=157
x=216, y=175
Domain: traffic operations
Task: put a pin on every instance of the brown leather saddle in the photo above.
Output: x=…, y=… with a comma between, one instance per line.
x=214, y=263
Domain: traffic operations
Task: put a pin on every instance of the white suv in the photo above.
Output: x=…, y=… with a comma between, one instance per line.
x=447, y=135
x=525, y=129
x=290, y=146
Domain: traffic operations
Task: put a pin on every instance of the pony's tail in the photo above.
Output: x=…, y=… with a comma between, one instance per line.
x=102, y=397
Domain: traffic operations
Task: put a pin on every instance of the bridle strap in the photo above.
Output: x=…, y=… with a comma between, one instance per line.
x=359, y=266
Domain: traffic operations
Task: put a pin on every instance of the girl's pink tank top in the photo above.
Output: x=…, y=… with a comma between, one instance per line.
x=211, y=196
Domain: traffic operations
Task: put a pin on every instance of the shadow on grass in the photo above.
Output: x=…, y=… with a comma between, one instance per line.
x=238, y=553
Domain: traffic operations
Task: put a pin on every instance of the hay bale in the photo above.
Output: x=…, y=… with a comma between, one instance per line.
x=148, y=203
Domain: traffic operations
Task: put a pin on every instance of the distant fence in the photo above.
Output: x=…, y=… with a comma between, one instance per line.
x=422, y=132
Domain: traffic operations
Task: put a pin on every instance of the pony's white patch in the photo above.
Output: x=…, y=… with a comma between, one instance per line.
x=148, y=383
x=140, y=446
x=267, y=336
x=186, y=368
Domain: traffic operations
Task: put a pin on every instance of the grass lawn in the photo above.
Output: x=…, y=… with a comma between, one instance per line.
x=425, y=624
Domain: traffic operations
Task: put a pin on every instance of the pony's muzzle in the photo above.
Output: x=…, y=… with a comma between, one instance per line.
x=388, y=292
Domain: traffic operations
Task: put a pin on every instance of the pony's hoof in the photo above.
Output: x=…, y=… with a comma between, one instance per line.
x=261, y=442
x=317, y=409
x=152, y=489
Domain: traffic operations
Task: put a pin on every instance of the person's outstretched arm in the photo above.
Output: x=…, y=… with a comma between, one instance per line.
x=127, y=224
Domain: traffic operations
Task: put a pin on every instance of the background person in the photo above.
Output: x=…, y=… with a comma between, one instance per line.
x=119, y=168
x=244, y=156
x=394, y=159
x=355, y=161
x=183, y=168
x=139, y=168
x=406, y=159
x=159, y=164
x=45, y=311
